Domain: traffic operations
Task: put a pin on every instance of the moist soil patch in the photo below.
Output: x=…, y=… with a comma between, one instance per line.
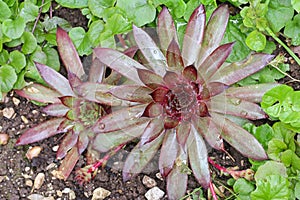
x=17, y=173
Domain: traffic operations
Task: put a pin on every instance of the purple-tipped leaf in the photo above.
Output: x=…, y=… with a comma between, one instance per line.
x=153, y=110
x=168, y=154
x=139, y=157
x=177, y=178
x=55, y=80
x=69, y=163
x=133, y=93
x=209, y=131
x=214, y=33
x=82, y=141
x=213, y=62
x=190, y=73
x=239, y=138
x=40, y=132
x=165, y=29
x=150, y=78
x=193, y=36
x=237, y=71
x=56, y=109
x=67, y=143
x=159, y=95
x=120, y=63
x=152, y=53
x=182, y=132
x=103, y=142
x=120, y=119
x=252, y=93
x=39, y=93
x=68, y=53
x=174, y=59
x=171, y=78
x=236, y=107
x=97, y=71
x=198, y=158
x=152, y=131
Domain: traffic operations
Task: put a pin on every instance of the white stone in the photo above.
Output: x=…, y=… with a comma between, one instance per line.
x=149, y=182
x=8, y=112
x=154, y=194
x=100, y=194
x=38, y=181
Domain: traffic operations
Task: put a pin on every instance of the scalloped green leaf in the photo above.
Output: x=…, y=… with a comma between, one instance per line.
x=292, y=30
x=73, y=3
x=29, y=11
x=81, y=41
x=52, y=58
x=97, y=7
x=29, y=42
x=8, y=77
x=5, y=11
x=13, y=28
x=256, y=40
x=17, y=60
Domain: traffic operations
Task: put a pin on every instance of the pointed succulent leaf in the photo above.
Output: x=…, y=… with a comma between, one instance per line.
x=39, y=93
x=68, y=101
x=159, y=94
x=120, y=63
x=82, y=141
x=153, y=110
x=239, y=70
x=239, y=138
x=152, y=53
x=170, y=79
x=177, y=178
x=235, y=107
x=97, y=71
x=190, y=73
x=182, y=132
x=74, y=80
x=152, y=131
x=103, y=142
x=168, y=153
x=68, y=53
x=150, y=78
x=120, y=119
x=252, y=93
x=56, y=109
x=193, y=36
x=214, y=61
x=174, y=59
x=55, y=80
x=139, y=157
x=216, y=88
x=170, y=123
x=214, y=33
x=209, y=131
x=67, y=143
x=131, y=51
x=198, y=158
x=40, y=132
x=133, y=93
x=69, y=163
x=166, y=29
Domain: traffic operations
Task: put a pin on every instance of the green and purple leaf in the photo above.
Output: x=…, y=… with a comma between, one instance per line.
x=133, y=93
x=190, y=73
x=152, y=131
x=193, y=36
x=150, y=78
x=182, y=132
x=174, y=59
x=69, y=163
x=139, y=157
x=56, y=109
x=68, y=53
x=198, y=158
x=40, y=132
x=67, y=143
x=239, y=138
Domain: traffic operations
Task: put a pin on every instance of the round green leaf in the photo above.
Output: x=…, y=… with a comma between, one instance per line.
x=4, y=56
x=29, y=41
x=296, y=6
x=256, y=41
x=270, y=168
x=242, y=186
x=29, y=11
x=8, y=77
x=13, y=28
x=81, y=41
x=292, y=30
x=39, y=56
x=5, y=11
x=73, y=3
x=17, y=60
x=94, y=32
x=97, y=7
x=52, y=58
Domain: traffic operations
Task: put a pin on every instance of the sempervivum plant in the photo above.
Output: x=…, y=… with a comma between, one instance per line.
x=182, y=96
x=74, y=109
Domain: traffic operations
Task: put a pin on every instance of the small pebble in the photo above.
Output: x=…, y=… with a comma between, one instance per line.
x=33, y=152
x=8, y=112
x=149, y=182
x=29, y=183
x=24, y=119
x=27, y=169
x=16, y=101
x=100, y=194
x=38, y=181
x=51, y=166
x=4, y=138
x=154, y=194
x=55, y=148
x=159, y=176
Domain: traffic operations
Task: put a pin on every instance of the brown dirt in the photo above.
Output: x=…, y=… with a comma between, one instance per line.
x=16, y=171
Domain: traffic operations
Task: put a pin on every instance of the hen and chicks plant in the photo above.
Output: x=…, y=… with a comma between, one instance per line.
x=175, y=98
x=183, y=96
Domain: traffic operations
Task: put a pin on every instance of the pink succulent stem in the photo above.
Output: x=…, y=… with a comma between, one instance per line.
x=122, y=41
x=102, y=161
x=213, y=193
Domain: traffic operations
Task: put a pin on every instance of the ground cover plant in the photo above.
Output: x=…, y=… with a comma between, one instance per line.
x=197, y=89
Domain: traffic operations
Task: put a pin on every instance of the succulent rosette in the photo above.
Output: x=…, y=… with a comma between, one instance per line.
x=183, y=96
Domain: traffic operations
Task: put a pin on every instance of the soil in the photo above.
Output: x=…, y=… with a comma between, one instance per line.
x=17, y=173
